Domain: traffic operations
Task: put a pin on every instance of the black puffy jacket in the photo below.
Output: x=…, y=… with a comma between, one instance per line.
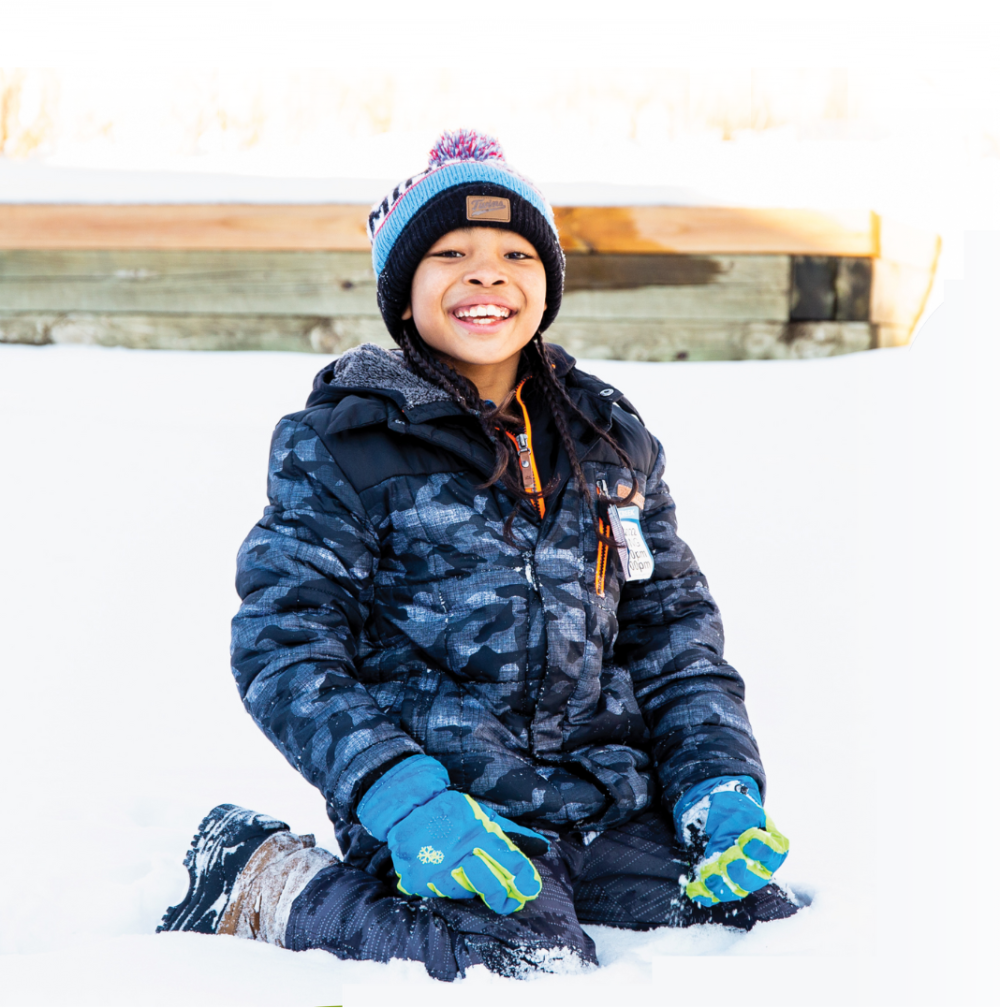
x=384, y=614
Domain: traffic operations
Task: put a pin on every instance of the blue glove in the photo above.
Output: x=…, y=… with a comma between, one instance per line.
x=444, y=843
x=740, y=847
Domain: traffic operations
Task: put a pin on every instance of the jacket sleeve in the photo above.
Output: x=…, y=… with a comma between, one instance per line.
x=671, y=640
x=305, y=575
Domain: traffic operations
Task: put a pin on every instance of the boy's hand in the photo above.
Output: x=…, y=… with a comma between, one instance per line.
x=452, y=846
x=740, y=847
x=740, y=869
x=444, y=843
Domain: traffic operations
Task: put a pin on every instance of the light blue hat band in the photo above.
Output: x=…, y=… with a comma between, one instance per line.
x=437, y=181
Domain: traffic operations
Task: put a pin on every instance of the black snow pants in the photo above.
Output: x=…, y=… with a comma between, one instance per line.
x=626, y=877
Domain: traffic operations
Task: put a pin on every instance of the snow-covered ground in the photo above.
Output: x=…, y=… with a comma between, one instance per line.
x=843, y=509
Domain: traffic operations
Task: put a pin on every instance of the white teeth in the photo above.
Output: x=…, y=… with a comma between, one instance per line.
x=480, y=311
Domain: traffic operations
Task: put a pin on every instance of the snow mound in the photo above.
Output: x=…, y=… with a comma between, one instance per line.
x=843, y=510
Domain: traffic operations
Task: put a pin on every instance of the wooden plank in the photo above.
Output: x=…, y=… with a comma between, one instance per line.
x=830, y=288
x=904, y=244
x=342, y=283
x=710, y=340
x=615, y=271
x=700, y=230
x=335, y=335
x=729, y=301
x=644, y=341
x=329, y=336
x=185, y=332
x=341, y=227
x=252, y=283
x=32, y=329
x=892, y=335
x=899, y=293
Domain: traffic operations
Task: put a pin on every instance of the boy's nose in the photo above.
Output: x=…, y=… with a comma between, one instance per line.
x=484, y=273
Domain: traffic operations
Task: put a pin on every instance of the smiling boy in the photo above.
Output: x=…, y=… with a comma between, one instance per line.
x=468, y=620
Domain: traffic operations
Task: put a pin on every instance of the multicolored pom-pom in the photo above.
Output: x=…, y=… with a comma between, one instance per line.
x=464, y=145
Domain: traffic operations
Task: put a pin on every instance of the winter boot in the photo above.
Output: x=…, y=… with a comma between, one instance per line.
x=226, y=840
x=278, y=870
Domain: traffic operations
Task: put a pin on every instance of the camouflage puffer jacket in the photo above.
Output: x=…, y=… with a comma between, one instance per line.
x=384, y=614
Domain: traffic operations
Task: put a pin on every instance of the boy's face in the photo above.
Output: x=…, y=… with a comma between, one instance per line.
x=478, y=295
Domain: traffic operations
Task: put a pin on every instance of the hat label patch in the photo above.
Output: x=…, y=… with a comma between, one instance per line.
x=491, y=208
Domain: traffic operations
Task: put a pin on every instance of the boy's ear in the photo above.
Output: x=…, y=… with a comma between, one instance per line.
x=407, y=314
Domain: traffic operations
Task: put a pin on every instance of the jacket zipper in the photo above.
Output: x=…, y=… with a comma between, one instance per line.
x=612, y=529
x=530, y=479
x=603, y=529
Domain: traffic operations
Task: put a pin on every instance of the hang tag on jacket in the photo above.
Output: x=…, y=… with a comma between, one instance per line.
x=626, y=530
x=619, y=535
x=640, y=560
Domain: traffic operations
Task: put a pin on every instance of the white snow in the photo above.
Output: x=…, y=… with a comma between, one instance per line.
x=844, y=511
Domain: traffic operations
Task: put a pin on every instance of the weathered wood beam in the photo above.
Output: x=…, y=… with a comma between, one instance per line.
x=681, y=339
x=341, y=227
x=163, y=332
x=241, y=283
x=716, y=229
x=705, y=340
x=342, y=284
x=831, y=288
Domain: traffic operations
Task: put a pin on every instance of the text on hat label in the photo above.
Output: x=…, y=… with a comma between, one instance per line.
x=491, y=208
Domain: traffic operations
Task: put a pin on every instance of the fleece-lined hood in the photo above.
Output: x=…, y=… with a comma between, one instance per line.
x=370, y=367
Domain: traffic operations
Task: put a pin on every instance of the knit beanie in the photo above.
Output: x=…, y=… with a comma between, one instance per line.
x=467, y=183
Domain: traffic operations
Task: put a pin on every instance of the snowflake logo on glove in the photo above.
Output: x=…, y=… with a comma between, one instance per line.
x=430, y=856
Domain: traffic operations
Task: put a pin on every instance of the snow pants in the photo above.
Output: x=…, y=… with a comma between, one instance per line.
x=626, y=877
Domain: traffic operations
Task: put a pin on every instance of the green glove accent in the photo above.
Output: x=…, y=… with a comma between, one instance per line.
x=507, y=881
x=752, y=860
x=452, y=847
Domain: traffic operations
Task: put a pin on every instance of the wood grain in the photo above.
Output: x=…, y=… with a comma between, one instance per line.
x=730, y=301
x=341, y=227
x=705, y=340
x=642, y=341
x=899, y=293
x=699, y=230
x=242, y=283
x=342, y=284
x=188, y=226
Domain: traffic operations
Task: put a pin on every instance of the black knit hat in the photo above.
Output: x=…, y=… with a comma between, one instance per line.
x=467, y=184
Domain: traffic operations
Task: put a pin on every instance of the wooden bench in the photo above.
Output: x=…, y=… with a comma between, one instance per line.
x=642, y=283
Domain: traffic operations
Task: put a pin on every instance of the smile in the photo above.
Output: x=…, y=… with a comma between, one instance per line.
x=482, y=314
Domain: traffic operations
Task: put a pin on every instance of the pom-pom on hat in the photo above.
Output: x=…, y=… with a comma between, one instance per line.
x=467, y=183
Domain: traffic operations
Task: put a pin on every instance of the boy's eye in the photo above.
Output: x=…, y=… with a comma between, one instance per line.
x=517, y=255
x=447, y=254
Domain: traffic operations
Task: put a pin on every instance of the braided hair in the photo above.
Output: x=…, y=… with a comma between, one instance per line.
x=493, y=422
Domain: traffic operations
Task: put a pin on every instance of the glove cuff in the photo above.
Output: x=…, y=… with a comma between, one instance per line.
x=693, y=795
x=402, y=788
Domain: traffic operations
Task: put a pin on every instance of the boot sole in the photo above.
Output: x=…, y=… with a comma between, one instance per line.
x=226, y=840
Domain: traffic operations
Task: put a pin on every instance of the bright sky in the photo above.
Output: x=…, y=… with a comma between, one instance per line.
x=892, y=106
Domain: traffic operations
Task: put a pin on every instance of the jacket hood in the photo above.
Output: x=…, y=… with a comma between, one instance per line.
x=371, y=368
x=374, y=369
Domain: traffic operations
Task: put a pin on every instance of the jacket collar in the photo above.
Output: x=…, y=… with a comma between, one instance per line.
x=371, y=385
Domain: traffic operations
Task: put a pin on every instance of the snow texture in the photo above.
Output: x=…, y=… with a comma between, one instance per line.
x=844, y=510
